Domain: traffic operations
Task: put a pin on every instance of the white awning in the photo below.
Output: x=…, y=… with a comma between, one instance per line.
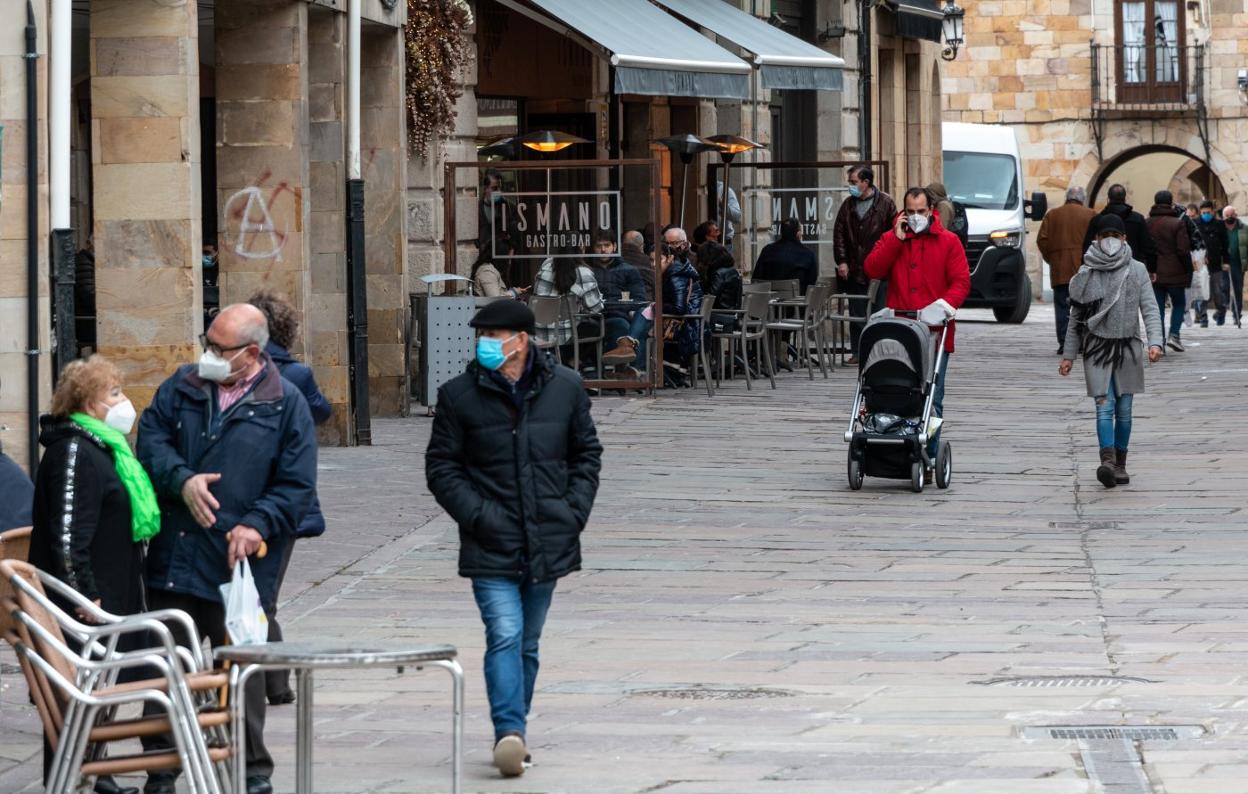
x=652, y=53
x=783, y=60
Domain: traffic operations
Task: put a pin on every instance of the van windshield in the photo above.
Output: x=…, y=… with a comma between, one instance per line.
x=982, y=181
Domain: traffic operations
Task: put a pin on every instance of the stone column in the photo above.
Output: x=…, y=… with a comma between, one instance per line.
x=325, y=321
x=262, y=149
x=145, y=128
x=14, y=416
x=383, y=143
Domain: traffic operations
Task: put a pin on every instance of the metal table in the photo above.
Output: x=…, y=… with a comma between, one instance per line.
x=305, y=657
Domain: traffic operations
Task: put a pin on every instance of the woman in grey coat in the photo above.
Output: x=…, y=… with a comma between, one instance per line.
x=1107, y=297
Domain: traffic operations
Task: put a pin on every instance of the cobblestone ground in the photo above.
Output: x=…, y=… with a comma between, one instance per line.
x=746, y=624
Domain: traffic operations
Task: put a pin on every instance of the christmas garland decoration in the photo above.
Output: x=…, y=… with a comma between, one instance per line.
x=436, y=47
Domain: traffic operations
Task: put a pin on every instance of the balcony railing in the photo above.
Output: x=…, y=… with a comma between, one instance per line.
x=1152, y=78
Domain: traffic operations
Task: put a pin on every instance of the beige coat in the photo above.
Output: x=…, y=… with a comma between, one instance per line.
x=490, y=282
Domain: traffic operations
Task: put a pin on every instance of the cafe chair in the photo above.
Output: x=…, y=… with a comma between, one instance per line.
x=568, y=312
x=76, y=692
x=546, y=310
x=752, y=328
x=808, y=327
x=703, y=319
x=843, y=317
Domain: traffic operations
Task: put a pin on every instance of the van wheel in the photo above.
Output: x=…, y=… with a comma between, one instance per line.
x=1018, y=312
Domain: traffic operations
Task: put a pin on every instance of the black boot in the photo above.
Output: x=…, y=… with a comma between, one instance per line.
x=106, y=785
x=1107, y=471
x=1120, y=468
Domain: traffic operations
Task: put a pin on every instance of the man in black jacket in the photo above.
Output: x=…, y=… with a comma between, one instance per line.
x=787, y=258
x=514, y=459
x=1138, y=238
x=1214, y=235
x=617, y=281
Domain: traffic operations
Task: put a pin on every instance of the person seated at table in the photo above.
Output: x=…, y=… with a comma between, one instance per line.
x=705, y=232
x=633, y=251
x=617, y=281
x=787, y=258
x=489, y=280
x=682, y=295
x=724, y=283
x=568, y=276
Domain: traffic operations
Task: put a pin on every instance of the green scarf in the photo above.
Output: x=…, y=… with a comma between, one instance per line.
x=144, y=512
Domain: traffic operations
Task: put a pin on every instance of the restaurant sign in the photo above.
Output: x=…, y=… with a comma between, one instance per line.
x=558, y=225
x=814, y=208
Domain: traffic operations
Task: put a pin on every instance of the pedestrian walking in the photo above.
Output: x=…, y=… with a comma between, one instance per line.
x=1172, y=266
x=283, y=323
x=514, y=459
x=861, y=221
x=927, y=267
x=1061, y=244
x=1137, y=227
x=93, y=504
x=231, y=449
x=1213, y=232
x=1108, y=296
x=1236, y=257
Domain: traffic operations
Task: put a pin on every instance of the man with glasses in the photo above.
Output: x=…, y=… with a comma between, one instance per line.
x=231, y=450
x=514, y=459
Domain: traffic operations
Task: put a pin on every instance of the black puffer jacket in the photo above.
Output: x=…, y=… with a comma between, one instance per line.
x=519, y=482
x=1138, y=237
x=82, y=533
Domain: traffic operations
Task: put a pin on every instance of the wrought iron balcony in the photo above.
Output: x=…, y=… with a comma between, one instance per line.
x=1148, y=79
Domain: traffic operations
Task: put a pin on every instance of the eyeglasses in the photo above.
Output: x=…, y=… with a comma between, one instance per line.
x=213, y=347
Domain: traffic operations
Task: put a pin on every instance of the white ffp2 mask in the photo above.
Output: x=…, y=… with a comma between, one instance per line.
x=121, y=416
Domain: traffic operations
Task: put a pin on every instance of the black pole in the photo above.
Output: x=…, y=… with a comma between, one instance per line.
x=32, y=238
x=357, y=314
x=63, y=310
x=864, y=79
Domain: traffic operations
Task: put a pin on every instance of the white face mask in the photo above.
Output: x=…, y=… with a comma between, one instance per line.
x=1111, y=246
x=918, y=222
x=121, y=416
x=215, y=368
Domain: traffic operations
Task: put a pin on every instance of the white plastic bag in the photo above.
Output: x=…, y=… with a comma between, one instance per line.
x=245, y=619
x=1200, y=284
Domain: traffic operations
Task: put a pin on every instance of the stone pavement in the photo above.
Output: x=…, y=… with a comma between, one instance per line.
x=747, y=625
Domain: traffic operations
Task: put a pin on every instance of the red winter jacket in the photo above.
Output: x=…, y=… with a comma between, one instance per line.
x=921, y=270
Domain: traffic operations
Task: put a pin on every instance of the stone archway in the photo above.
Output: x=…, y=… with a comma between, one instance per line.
x=1130, y=142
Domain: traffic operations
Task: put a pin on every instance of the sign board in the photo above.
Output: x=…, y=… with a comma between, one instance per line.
x=814, y=207
x=558, y=225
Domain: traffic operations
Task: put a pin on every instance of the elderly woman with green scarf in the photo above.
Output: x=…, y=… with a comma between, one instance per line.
x=1108, y=295
x=94, y=504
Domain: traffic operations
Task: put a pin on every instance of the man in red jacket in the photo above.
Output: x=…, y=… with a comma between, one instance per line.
x=925, y=266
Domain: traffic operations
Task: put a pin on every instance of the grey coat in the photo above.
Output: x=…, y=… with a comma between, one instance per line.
x=1129, y=374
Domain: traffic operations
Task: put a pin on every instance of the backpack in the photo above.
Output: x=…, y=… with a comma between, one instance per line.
x=959, y=224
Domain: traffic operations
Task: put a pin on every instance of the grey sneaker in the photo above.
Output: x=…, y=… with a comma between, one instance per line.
x=509, y=755
x=1175, y=344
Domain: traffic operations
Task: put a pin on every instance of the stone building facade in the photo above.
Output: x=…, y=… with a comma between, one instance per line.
x=219, y=123
x=1091, y=86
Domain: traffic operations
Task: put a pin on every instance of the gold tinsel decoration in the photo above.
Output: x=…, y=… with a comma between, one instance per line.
x=436, y=47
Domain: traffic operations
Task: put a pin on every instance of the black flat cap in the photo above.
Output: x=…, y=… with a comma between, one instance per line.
x=504, y=315
x=1106, y=223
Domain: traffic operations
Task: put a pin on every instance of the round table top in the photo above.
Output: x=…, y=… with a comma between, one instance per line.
x=330, y=653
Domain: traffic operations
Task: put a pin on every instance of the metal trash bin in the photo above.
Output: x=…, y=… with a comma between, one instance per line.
x=439, y=337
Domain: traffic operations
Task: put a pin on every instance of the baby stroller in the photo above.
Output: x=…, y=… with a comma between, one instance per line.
x=892, y=415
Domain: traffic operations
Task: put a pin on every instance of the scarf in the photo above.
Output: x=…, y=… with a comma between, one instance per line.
x=1105, y=305
x=144, y=512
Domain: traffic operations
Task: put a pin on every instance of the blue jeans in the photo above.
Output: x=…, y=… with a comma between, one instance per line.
x=1178, y=307
x=639, y=329
x=1061, y=311
x=938, y=406
x=1113, y=418
x=616, y=327
x=513, y=612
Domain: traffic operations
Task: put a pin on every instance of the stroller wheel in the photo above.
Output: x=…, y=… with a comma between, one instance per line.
x=916, y=476
x=855, y=473
x=944, y=465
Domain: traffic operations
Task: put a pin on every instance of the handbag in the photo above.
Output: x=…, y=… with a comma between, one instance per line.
x=672, y=326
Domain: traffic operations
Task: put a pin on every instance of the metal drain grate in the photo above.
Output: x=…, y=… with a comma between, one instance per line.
x=713, y=693
x=1045, y=681
x=1165, y=733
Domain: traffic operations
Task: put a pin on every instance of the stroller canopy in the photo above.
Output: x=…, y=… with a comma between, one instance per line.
x=903, y=340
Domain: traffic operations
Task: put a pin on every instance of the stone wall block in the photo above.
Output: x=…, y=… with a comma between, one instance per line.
x=257, y=124
x=167, y=292
x=139, y=56
x=124, y=97
x=145, y=244
x=254, y=44
x=329, y=273
x=139, y=140
x=157, y=190
x=325, y=102
x=271, y=82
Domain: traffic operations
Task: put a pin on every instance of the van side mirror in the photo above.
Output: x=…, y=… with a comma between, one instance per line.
x=1037, y=206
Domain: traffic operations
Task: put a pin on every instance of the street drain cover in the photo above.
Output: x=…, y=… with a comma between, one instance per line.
x=713, y=693
x=1044, y=681
x=1170, y=733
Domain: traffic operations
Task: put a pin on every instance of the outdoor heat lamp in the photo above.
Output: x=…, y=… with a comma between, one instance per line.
x=729, y=147
x=952, y=28
x=503, y=147
x=547, y=141
x=686, y=147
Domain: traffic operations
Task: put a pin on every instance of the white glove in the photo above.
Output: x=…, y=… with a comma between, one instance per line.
x=937, y=312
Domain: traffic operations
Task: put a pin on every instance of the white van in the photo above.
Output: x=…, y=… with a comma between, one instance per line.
x=983, y=174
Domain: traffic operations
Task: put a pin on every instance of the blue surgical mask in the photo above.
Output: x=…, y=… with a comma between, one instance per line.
x=1206, y=216
x=490, y=352
x=209, y=261
x=855, y=191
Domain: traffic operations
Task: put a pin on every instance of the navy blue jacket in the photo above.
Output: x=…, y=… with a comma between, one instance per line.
x=313, y=524
x=264, y=448
x=616, y=278
x=17, y=495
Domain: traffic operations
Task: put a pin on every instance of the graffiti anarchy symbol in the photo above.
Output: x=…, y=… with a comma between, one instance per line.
x=256, y=237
